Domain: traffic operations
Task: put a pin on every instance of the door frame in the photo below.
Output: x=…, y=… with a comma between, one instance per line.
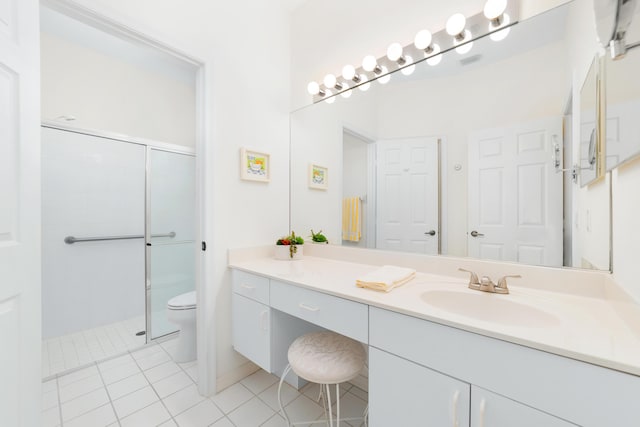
x=102, y=18
x=371, y=180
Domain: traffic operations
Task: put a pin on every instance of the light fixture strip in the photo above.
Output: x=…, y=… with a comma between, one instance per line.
x=478, y=24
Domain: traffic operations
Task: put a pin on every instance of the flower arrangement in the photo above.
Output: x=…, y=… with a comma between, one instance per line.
x=292, y=241
x=318, y=237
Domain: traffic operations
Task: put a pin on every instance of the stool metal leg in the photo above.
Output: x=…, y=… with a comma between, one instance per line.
x=284, y=374
x=329, y=400
x=338, y=405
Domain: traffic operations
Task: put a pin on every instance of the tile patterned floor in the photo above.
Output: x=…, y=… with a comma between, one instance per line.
x=146, y=388
x=70, y=351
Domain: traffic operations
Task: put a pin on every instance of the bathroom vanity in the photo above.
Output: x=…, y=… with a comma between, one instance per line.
x=561, y=349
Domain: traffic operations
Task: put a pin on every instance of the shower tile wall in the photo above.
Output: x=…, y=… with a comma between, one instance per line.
x=91, y=186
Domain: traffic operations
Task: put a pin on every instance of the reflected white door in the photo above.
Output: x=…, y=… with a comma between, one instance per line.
x=20, y=354
x=407, y=195
x=515, y=195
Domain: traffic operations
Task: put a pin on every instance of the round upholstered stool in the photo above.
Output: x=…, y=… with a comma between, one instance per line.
x=326, y=358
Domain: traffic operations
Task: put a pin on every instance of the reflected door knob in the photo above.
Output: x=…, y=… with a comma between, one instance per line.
x=430, y=233
x=474, y=233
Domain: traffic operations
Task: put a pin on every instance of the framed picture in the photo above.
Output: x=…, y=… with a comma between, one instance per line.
x=318, y=177
x=254, y=166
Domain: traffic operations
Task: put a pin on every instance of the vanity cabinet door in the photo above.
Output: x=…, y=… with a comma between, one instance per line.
x=402, y=393
x=251, y=330
x=492, y=410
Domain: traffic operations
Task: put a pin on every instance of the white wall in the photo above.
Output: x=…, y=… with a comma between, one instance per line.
x=626, y=179
x=245, y=45
x=107, y=93
x=318, y=133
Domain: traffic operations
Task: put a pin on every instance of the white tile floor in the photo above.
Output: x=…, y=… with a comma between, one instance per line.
x=70, y=351
x=146, y=388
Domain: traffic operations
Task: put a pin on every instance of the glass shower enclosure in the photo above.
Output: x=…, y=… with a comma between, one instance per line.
x=118, y=222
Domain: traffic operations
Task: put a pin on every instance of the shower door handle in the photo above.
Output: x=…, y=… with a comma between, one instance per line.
x=70, y=240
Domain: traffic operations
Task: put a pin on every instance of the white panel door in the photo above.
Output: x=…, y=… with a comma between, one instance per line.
x=515, y=195
x=20, y=352
x=407, y=195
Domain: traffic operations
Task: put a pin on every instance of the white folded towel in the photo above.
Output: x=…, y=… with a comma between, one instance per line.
x=386, y=278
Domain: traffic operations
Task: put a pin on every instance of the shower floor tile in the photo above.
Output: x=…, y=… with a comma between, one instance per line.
x=81, y=348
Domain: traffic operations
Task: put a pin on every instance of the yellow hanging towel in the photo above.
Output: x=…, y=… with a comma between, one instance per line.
x=351, y=223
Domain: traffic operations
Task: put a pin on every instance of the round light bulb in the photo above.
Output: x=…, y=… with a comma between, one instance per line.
x=330, y=99
x=423, y=39
x=455, y=24
x=494, y=8
x=394, y=51
x=436, y=56
x=365, y=83
x=465, y=48
x=330, y=80
x=500, y=35
x=385, y=76
x=346, y=92
x=409, y=69
x=369, y=63
x=313, y=88
x=348, y=72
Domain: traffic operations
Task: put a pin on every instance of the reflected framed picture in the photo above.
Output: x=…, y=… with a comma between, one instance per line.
x=254, y=166
x=318, y=177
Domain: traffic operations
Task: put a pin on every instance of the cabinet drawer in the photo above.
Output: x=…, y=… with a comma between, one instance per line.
x=337, y=314
x=251, y=286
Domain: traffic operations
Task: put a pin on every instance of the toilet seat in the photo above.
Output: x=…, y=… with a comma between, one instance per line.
x=185, y=301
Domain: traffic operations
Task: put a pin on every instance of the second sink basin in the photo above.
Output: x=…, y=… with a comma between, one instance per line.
x=489, y=308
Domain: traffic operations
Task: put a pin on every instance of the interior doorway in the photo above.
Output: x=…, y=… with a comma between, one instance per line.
x=101, y=82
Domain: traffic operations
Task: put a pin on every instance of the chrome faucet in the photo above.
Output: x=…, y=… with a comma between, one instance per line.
x=485, y=284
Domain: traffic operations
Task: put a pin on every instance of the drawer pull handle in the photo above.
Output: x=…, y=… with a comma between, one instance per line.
x=306, y=307
x=250, y=288
x=456, y=395
x=482, y=411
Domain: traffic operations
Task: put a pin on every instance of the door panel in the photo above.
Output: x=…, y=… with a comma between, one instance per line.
x=515, y=196
x=20, y=363
x=407, y=198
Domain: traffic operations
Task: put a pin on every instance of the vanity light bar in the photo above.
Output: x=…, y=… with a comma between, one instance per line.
x=496, y=19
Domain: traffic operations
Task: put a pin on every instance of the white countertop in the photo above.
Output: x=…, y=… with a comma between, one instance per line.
x=583, y=327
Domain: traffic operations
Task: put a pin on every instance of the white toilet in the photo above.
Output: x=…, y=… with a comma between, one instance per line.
x=181, y=310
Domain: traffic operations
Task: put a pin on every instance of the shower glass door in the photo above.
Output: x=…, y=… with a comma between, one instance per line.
x=170, y=234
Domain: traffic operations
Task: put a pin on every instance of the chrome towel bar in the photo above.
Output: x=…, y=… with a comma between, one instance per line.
x=69, y=240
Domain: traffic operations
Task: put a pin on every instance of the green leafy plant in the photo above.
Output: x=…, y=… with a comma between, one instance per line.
x=292, y=241
x=318, y=237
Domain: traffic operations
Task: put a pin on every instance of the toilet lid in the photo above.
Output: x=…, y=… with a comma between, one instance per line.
x=183, y=302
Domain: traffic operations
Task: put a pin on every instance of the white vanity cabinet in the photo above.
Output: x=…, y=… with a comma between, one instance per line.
x=403, y=393
x=251, y=318
x=515, y=382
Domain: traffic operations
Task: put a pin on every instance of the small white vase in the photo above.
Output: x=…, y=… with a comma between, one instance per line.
x=283, y=252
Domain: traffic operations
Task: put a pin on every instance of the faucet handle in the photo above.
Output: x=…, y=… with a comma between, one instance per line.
x=502, y=283
x=473, y=278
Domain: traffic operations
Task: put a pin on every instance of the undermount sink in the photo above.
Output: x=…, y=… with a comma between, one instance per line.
x=489, y=308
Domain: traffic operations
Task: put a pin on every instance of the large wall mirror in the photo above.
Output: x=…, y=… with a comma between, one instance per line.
x=458, y=158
